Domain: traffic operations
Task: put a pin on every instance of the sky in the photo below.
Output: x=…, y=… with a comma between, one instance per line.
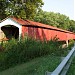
x=65, y=7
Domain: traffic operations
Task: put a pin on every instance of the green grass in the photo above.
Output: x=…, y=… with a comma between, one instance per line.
x=37, y=66
x=27, y=49
x=71, y=70
x=15, y=53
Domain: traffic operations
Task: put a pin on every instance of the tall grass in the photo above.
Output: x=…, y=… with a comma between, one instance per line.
x=18, y=52
x=71, y=70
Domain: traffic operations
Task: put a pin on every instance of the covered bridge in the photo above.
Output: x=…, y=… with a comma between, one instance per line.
x=14, y=27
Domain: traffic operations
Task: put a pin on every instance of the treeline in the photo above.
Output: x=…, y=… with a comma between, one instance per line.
x=31, y=9
x=55, y=19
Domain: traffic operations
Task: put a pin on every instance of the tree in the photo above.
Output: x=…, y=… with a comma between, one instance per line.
x=54, y=19
x=72, y=26
x=20, y=8
x=63, y=22
x=47, y=18
x=2, y=8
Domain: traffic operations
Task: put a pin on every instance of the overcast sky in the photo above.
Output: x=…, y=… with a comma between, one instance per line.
x=65, y=7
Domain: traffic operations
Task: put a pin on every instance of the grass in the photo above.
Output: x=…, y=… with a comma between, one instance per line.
x=71, y=70
x=18, y=52
x=42, y=56
x=37, y=66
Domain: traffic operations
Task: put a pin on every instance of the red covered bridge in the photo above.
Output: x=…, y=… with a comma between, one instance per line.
x=17, y=27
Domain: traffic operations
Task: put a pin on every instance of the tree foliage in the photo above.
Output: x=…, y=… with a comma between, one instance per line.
x=72, y=26
x=2, y=8
x=55, y=19
x=31, y=9
x=19, y=8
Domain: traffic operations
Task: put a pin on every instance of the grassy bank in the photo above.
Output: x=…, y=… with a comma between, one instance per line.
x=37, y=66
x=71, y=70
x=15, y=53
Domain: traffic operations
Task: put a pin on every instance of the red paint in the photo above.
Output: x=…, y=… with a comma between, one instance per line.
x=47, y=34
x=24, y=31
x=43, y=32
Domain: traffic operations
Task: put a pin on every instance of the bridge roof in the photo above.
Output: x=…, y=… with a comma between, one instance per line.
x=35, y=24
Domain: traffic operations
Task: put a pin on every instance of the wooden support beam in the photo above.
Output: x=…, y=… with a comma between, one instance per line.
x=67, y=42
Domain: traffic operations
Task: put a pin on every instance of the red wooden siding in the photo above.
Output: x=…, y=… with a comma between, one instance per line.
x=42, y=31
x=46, y=34
x=24, y=31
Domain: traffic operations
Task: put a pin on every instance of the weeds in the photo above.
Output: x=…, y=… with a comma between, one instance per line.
x=18, y=52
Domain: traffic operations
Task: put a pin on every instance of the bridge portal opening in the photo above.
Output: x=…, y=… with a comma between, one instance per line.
x=9, y=31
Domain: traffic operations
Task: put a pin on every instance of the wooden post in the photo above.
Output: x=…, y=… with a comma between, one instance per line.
x=20, y=32
x=67, y=43
x=0, y=33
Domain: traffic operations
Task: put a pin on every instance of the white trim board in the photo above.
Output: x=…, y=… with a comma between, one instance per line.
x=9, y=21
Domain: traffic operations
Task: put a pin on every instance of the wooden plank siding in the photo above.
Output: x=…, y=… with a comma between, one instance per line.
x=46, y=34
x=37, y=30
